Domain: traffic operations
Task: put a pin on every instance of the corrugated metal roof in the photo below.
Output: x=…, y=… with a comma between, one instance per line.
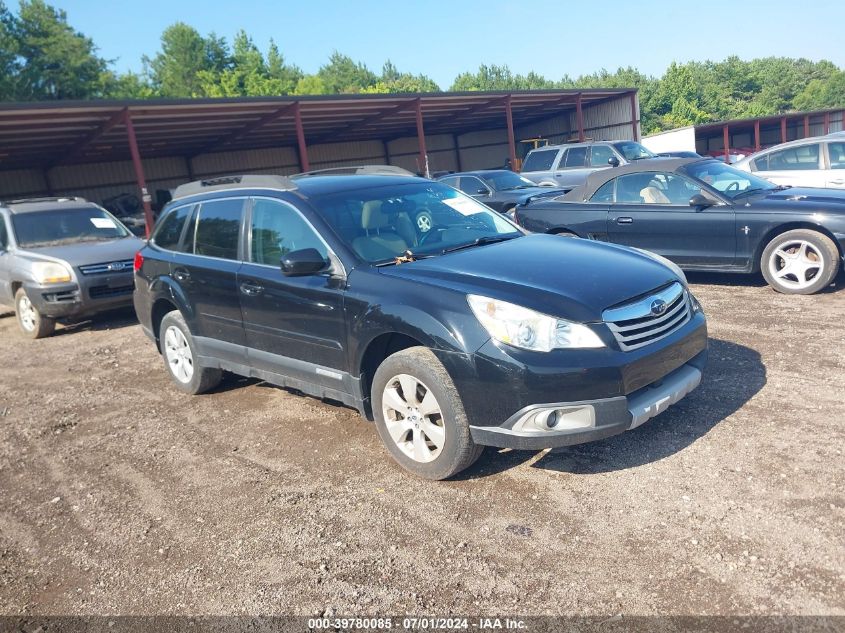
x=46, y=134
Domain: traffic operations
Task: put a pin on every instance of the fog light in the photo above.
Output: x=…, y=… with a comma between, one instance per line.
x=551, y=419
x=547, y=419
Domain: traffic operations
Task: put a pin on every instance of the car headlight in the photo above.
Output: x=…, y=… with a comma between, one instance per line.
x=527, y=329
x=50, y=273
x=694, y=304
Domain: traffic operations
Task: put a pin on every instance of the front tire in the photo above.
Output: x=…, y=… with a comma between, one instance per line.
x=420, y=417
x=180, y=357
x=32, y=323
x=801, y=262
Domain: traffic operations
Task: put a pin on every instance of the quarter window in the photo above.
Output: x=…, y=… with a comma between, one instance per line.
x=168, y=234
x=802, y=157
x=540, y=160
x=277, y=229
x=218, y=227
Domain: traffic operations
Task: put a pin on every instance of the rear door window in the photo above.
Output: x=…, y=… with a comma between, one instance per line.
x=576, y=157
x=803, y=157
x=837, y=155
x=218, y=228
x=540, y=160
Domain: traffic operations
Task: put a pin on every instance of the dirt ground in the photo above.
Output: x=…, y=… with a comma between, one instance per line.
x=119, y=495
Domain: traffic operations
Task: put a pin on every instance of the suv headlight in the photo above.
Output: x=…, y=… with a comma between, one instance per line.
x=527, y=329
x=50, y=273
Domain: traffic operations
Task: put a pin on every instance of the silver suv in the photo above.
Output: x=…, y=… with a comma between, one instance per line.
x=569, y=165
x=63, y=258
x=818, y=161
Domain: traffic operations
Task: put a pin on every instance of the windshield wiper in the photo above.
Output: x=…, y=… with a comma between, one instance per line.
x=481, y=241
x=752, y=190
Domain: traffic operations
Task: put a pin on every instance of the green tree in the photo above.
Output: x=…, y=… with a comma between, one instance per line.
x=310, y=85
x=180, y=68
x=46, y=57
x=343, y=75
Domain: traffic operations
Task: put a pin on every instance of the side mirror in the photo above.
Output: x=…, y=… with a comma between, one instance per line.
x=700, y=201
x=613, y=161
x=483, y=192
x=306, y=261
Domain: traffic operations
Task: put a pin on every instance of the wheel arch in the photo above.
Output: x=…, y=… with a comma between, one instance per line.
x=376, y=351
x=783, y=228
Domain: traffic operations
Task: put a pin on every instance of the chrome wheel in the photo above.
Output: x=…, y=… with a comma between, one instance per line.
x=424, y=222
x=796, y=264
x=178, y=355
x=413, y=418
x=27, y=314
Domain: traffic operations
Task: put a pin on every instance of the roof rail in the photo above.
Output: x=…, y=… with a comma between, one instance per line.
x=247, y=181
x=46, y=199
x=356, y=170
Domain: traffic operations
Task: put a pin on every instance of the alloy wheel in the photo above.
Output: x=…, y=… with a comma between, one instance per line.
x=796, y=264
x=27, y=313
x=413, y=418
x=178, y=354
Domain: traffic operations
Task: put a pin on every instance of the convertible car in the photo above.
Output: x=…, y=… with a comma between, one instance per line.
x=705, y=215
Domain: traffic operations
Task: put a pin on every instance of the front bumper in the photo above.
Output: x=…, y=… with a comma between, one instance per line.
x=72, y=300
x=498, y=385
x=611, y=416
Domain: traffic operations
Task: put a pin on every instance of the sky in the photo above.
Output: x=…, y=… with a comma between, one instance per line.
x=444, y=38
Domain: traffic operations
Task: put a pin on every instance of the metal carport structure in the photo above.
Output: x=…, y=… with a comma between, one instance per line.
x=44, y=137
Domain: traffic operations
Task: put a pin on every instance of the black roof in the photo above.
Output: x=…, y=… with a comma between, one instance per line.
x=596, y=179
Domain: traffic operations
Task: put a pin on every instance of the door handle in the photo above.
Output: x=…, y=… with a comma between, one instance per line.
x=837, y=182
x=180, y=274
x=624, y=220
x=251, y=289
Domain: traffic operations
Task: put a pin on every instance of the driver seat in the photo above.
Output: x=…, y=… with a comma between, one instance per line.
x=653, y=195
x=381, y=240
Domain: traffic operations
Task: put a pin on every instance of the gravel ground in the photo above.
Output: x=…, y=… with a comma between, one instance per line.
x=119, y=495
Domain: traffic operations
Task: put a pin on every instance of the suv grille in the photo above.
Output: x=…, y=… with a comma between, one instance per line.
x=123, y=265
x=648, y=320
x=101, y=292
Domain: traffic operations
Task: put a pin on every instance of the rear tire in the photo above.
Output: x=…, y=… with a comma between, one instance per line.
x=800, y=262
x=425, y=430
x=32, y=323
x=180, y=357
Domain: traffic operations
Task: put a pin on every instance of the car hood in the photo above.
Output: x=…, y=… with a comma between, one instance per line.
x=804, y=198
x=84, y=253
x=566, y=277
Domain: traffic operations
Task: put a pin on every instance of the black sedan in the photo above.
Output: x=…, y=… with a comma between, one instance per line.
x=500, y=189
x=705, y=215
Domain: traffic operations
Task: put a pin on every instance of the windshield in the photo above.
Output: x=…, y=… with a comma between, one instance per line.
x=507, y=180
x=65, y=226
x=726, y=179
x=427, y=218
x=633, y=151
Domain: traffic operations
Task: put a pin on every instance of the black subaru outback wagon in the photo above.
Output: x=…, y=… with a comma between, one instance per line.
x=452, y=333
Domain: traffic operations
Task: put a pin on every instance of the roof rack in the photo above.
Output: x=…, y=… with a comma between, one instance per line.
x=248, y=181
x=358, y=170
x=46, y=199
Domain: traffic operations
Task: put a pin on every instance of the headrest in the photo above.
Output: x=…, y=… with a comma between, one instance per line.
x=372, y=216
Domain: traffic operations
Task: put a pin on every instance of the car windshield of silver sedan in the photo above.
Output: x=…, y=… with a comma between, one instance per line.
x=65, y=226
x=383, y=223
x=728, y=180
x=633, y=151
x=507, y=181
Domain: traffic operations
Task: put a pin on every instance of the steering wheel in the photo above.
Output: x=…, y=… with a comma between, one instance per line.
x=734, y=186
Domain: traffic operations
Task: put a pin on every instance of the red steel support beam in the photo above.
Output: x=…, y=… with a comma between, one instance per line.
x=105, y=128
x=139, y=173
x=634, y=118
x=304, y=165
x=726, y=140
x=756, y=136
x=421, y=140
x=511, y=139
x=783, y=129
x=579, y=117
x=806, y=125
x=238, y=134
x=827, y=122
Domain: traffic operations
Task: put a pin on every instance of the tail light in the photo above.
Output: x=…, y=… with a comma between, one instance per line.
x=138, y=262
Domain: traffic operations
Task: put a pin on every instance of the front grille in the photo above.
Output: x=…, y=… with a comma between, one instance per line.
x=59, y=297
x=636, y=324
x=100, y=292
x=119, y=266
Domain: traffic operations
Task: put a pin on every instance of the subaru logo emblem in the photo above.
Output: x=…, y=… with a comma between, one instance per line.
x=658, y=306
x=114, y=266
